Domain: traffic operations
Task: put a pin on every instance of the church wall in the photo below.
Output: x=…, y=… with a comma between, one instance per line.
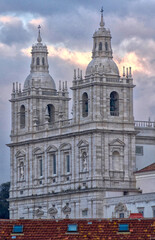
x=97, y=172
x=65, y=168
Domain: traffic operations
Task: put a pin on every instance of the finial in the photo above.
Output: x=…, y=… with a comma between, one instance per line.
x=39, y=37
x=59, y=85
x=102, y=22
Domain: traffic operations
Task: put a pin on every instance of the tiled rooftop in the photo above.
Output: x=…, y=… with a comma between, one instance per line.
x=136, y=215
x=147, y=169
x=104, y=229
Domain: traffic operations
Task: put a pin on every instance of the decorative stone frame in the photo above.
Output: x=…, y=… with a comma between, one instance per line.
x=65, y=149
x=38, y=153
x=120, y=208
x=116, y=146
x=83, y=147
x=51, y=150
x=20, y=159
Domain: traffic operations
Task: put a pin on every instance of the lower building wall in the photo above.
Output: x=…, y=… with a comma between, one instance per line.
x=85, y=205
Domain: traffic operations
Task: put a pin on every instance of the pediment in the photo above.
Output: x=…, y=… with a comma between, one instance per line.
x=117, y=142
x=120, y=207
x=65, y=146
x=38, y=151
x=83, y=143
x=20, y=153
x=51, y=149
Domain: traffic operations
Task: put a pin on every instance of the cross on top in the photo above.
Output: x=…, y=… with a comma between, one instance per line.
x=39, y=37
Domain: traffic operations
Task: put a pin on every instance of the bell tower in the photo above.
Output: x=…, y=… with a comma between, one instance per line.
x=103, y=101
x=37, y=109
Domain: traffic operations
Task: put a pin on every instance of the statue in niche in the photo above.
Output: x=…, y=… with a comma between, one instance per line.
x=84, y=161
x=21, y=170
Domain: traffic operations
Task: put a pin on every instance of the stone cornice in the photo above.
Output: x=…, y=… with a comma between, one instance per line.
x=71, y=192
x=112, y=84
x=130, y=199
x=68, y=135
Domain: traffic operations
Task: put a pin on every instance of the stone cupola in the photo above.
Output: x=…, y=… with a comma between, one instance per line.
x=39, y=74
x=102, y=52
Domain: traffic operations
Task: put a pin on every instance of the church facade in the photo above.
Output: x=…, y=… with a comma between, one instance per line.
x=65, y=168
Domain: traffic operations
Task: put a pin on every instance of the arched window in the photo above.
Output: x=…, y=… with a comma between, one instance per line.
x=114, y=104
x=51, y=113
x=116, y=161
x=38, y=61
x=85, y=105
x=22, y=116
x=100, y=46
x=106, y=46
x=43, y=61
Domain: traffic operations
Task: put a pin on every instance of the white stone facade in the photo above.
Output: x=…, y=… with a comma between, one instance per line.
x=119, y=207
x=63, y=167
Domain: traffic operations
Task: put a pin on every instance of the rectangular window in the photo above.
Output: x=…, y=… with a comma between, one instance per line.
x=17, y=229
x=40, y=166
x=121, y=215
x=54, y=163
x=141, y=210
x=72, y=228
x=139, y=150
x=84, y=213
x=68, y=163
x=123, y=227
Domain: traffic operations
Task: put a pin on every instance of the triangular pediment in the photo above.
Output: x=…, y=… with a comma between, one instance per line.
x=51, y=149
x=20, y=153
x=83, y=143
x=117, y=142
x=37, y=150
x=65, y=146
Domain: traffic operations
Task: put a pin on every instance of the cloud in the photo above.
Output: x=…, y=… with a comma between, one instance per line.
x=8, y=19
x=68, y=55
x=12, y=31
x=37, y=21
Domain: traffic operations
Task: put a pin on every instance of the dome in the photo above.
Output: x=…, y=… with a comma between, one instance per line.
x=102, y=65
x=40, y=79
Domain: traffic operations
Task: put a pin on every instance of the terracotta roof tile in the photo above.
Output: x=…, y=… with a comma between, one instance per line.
x=102, y=229
x=136, y=215
x=147, y=169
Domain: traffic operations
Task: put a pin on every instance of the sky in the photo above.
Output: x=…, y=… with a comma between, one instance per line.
x=67, y=27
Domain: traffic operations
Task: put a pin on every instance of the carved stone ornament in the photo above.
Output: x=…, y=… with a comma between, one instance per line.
x=66, y=209
x=52, y=211
x=39, y=212
x=120, y=207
